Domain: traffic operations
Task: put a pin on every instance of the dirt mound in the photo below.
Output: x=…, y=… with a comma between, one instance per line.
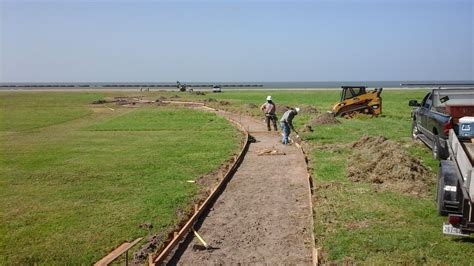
x=100, y=101
x=383, y=162
x=210, y=100
x=152, y=243
x=309, y=109
x=282, y=108
x=323, y=119
x=224, y=102
x=250, y=106
x=197, y=92
x=307, y=128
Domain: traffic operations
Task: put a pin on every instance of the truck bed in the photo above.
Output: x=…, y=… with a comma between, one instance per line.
x=469, y=149
x=463, y=154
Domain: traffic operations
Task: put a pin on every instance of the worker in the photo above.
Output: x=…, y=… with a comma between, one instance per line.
x=287, y=123
x=268, y=109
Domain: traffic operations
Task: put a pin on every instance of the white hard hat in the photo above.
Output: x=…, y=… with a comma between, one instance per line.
x=297, y=109
x=269, y=98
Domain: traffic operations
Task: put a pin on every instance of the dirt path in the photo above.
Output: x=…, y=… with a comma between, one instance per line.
x=264, y=215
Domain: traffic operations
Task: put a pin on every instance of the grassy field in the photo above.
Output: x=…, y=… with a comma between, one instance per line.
x=76, y=180
x=354, y=222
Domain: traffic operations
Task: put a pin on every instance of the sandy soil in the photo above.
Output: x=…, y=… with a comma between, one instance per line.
x=264, y=215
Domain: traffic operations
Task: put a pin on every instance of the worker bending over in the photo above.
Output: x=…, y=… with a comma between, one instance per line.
x=287, y=123
x=268, y=109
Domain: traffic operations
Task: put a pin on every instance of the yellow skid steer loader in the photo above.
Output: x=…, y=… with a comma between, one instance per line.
x=355, y=99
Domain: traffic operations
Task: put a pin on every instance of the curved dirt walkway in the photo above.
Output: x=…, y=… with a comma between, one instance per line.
x=264, y=215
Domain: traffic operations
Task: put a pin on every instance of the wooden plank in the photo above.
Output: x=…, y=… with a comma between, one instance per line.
x=117, y=252
x=113, y=255
x=315, y=254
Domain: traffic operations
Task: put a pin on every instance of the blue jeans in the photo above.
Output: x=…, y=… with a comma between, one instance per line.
x=286, y=132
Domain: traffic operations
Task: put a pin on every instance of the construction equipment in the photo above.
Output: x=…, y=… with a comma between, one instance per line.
x=355, y=99
x=181, y=87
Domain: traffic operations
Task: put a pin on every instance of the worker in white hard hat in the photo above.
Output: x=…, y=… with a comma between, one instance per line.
x=287, y=123
x=269, y=109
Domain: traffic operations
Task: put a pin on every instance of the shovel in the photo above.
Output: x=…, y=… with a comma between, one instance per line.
x=204, y=245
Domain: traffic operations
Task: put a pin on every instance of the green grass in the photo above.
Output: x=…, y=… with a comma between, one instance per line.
x=26, y=111
x=77, y=180
x=354, y=222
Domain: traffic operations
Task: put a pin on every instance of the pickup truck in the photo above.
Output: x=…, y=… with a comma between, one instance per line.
x=438, y=112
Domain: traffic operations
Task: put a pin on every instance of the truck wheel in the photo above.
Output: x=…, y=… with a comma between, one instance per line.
x=440, y=196
x=414, y=131
x=438, y=152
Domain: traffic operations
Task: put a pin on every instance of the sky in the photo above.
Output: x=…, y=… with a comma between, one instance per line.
x=165, y=41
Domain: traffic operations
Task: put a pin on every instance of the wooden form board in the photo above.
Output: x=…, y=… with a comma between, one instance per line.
x=315, y=252
x=117, y=252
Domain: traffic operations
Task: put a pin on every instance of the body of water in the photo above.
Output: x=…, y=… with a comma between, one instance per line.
x=249, y=85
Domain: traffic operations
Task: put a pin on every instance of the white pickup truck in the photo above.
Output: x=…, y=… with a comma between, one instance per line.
x=455, y=197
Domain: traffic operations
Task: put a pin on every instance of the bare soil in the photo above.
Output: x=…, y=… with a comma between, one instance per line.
x=282, y=108
x=323, y=119
x=309, y=109
x=250, y=106
x=264, y=215
x=385, y=163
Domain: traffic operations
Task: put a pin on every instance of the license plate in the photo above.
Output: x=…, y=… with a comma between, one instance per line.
x=448, y=229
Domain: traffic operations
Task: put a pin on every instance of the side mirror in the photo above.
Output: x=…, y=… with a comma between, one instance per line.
x=413, y=103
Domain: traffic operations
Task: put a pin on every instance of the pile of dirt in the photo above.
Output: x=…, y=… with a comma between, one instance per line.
x=224, y=102
x=127, y=100
x=309, y=109
x=307, y=128
x=152, y=242
x=282, y=108
x=323, y=119
x=100, y=101
x=250, y=106
x=197, y=92
x=383, y=162
x=210, y=100
x=132, y=101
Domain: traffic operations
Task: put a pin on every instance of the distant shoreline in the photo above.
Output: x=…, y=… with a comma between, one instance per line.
x=229, y=85
x=101, y=89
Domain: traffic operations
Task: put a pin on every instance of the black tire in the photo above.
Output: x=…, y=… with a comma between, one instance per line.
x=438, y=152
x=440, y=196
x=414, y=131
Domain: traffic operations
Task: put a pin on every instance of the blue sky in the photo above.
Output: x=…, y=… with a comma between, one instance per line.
x=68, y=41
